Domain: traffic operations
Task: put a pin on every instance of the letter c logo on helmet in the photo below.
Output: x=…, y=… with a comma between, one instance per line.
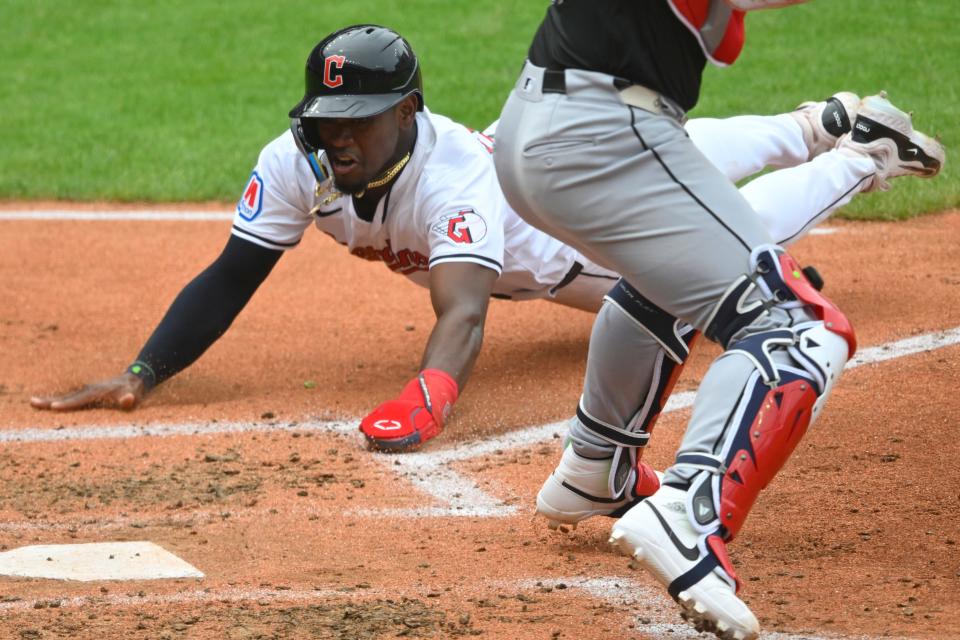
x=356, y=72
x=328, y=78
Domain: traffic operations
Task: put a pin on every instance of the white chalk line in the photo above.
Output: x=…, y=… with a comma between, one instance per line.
x=112, y=216
x=515, y=439
x=455, y=494
x=658, y=618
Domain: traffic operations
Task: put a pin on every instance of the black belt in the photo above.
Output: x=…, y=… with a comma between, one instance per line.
x=555, y=81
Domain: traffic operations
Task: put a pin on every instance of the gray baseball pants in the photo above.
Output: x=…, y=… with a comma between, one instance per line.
x=628, y=189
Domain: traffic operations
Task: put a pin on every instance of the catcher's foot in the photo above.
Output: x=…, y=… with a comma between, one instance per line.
x=693, y=567
x=885, y=134
x=580, y=488
x=822, y=123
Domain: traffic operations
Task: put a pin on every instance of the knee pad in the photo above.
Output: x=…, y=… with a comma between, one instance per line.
x=774, y=280
x=794, y=370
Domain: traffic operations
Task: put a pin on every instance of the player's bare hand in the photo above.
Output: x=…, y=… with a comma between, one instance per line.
x=123, y=392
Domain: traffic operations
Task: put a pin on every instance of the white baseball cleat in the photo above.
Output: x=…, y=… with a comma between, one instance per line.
x=886, y=134
x=580, y=488
x=657, y=533
x=824, y=122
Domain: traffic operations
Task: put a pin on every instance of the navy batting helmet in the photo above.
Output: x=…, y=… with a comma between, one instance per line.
x=358, y=72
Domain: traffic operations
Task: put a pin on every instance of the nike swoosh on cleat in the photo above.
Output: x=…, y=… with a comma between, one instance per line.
x=690, y=553
x=912, y=151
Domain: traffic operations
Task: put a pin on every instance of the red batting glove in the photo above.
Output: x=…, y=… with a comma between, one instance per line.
x=417, y=415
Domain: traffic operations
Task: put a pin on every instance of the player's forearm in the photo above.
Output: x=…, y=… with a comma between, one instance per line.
x=454, y=345
x=197, y=318
x=204, y=310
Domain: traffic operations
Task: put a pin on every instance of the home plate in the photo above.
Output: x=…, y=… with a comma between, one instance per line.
x=95, y=561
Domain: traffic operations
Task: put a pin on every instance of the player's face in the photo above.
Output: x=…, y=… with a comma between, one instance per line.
x=359, y=149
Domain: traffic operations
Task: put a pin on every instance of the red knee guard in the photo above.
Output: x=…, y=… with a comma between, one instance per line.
x=832, y=317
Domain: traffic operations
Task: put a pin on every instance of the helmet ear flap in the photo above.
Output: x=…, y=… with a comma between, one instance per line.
x=305, y=135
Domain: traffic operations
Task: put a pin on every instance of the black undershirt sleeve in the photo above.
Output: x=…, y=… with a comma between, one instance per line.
x=204, y=310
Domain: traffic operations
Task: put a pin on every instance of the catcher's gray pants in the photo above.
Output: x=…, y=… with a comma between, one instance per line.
x=628, y=189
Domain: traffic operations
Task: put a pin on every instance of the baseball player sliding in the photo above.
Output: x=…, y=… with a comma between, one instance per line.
x=369, y=165
x=592, y=149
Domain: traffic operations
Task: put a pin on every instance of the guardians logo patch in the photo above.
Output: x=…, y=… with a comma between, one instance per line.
x=464, y=226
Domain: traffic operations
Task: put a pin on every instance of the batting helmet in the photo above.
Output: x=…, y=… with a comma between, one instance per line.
x=358, y=72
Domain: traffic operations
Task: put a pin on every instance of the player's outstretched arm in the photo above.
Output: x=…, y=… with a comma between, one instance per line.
x=460, y=292
x=199, y=315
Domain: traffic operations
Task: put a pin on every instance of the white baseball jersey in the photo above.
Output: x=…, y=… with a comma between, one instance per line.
x=446, y=206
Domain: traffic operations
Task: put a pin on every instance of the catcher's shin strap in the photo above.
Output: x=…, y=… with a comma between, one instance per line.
x=673, y=334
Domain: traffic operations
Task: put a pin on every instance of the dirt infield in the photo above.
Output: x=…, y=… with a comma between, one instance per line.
x=255, y=475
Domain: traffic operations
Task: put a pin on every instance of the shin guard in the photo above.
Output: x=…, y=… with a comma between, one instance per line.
x=795, y=370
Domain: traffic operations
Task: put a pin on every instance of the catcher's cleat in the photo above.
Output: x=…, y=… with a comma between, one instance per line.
x=824, y=122
x=580, y=488
x=885, y=134
x=693, y=566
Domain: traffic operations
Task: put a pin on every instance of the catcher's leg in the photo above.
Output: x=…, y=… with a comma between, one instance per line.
x=639, y=350
x=753, y=406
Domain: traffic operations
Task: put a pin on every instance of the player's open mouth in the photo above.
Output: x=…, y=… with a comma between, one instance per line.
x=342, y=164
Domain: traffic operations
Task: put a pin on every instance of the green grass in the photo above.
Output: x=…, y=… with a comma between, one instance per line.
x=810, y=51
x=141, y=100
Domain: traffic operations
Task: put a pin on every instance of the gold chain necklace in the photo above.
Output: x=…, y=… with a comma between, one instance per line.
x=333, y=194
x=388, y=176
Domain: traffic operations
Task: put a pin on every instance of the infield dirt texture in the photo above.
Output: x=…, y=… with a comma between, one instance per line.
x=248, y=465
x=263, y=485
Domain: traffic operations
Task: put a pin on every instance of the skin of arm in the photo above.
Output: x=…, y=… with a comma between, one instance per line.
x=460, y=293
x=199, y=315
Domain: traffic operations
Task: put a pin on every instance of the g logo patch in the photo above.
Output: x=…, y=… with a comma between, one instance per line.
x=465, y=226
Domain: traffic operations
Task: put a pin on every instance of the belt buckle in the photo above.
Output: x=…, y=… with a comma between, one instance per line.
x=639, y=96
